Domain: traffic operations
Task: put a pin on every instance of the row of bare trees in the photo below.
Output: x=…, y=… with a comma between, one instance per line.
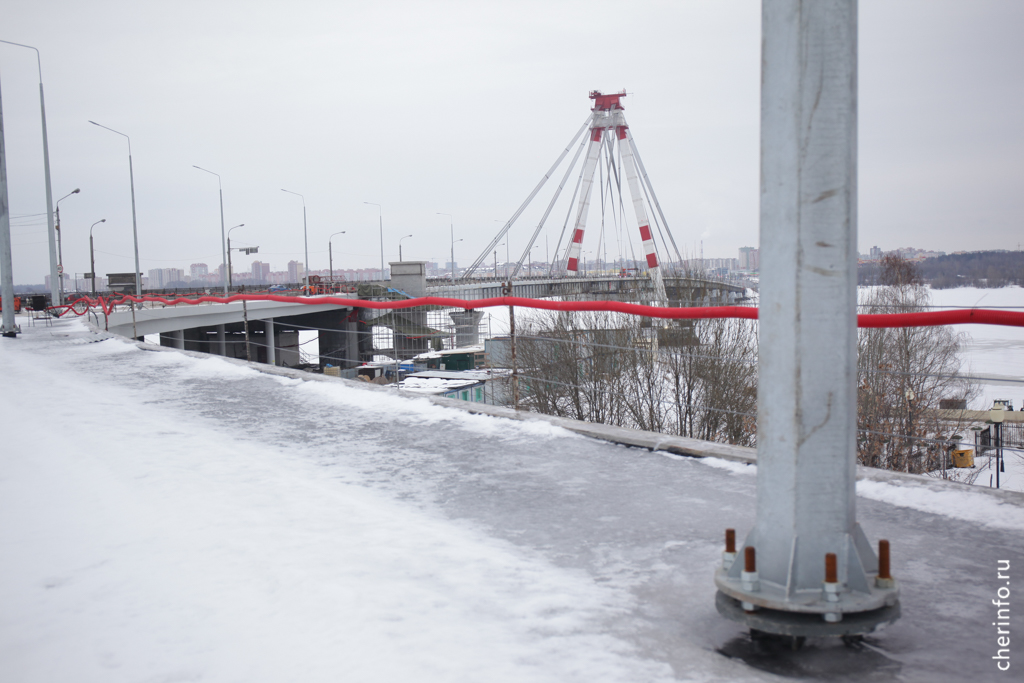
x=695, y=378
x=699, y=378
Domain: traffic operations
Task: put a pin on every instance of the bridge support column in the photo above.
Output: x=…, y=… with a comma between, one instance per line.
x=271, y=342
x=467, y=327
x=806, y=568
x=178, y=339
x=222, y=343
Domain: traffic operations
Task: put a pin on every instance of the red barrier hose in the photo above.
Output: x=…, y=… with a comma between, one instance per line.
x=871, y=320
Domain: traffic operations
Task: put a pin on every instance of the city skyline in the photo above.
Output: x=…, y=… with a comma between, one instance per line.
x=460, y=108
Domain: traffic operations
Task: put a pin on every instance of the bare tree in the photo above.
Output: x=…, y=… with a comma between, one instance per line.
x=903, y=374
x=694, y=378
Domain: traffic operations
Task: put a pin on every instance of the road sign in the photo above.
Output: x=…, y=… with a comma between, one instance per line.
x=60, y=269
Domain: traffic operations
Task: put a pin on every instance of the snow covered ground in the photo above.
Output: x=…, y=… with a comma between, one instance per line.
x=171, y=518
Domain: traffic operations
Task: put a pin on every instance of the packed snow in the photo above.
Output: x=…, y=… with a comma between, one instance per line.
x=168, y=517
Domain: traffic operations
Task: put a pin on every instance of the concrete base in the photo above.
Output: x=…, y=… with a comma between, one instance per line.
x=803, y=625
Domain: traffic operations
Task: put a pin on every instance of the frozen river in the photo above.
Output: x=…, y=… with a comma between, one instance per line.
x=171, y=518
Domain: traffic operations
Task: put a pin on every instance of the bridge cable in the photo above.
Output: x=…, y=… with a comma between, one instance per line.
x=551, y=205
x=480, y=259
x=565, y=225
x=657, y=204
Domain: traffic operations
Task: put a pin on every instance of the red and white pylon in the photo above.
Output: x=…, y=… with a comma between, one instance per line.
x=606, y=128
x=609, y=120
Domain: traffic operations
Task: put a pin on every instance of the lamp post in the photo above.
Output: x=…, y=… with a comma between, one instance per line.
x=400, y=245
x=305, y=238
x=536, y=246
x=223, y=247
x=380, y=219
x=453, y=256
x=330, y=254
x=60, y=251
x=229, y=251
x=8, y=325
x=451, y=224
x=996, y=415
x=55, y=296
x=135, y=227
x=92, y=256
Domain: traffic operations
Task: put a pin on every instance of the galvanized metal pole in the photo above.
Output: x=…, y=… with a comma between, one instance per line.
x=223, y=242
x=135, y=227
x=55, y=293
x=92, y=255
x=305, y=239
x=807, y=398
x=55, y=297
x=223, y=247
x=8, y=328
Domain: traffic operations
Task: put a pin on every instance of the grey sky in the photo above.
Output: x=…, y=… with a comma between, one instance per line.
x=461, y=108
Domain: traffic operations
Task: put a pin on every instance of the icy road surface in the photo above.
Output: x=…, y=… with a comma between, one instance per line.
x=168, y=518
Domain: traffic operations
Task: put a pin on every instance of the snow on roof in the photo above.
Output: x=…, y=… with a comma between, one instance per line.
x=435, y=385
x=471, y=375
x=448, y=352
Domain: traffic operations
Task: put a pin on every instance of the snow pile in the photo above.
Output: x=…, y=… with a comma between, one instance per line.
x=967, y=506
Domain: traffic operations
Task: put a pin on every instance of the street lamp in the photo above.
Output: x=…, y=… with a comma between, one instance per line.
x=451, y=224
x=135, y=227
x=229, y=251
x=330, y=254
x=996, y=415
x=60, y=251
x=92, y=257
x=400, y=246
x=380, y=219
x=223, y=248
x=305, y=239
x=55, y=294
x=453, y=256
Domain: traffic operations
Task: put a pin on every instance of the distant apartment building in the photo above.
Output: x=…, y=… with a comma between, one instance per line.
x=750, y=258
x=260, y=272
x=296, y=271
x=199, y=271
x=359, y=274
x=65, y=277
x=162, y=278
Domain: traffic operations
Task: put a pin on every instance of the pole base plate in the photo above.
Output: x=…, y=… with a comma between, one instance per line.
x=802, y=624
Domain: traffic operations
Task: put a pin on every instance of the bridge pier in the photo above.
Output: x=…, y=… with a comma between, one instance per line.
x=271, y=343
x=175, y=339
x=222, y=344
x=467, y=327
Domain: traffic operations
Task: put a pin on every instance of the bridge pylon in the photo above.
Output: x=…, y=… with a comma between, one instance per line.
x=611, y=157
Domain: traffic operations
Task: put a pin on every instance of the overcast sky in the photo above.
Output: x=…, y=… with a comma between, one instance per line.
x=427, y=107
